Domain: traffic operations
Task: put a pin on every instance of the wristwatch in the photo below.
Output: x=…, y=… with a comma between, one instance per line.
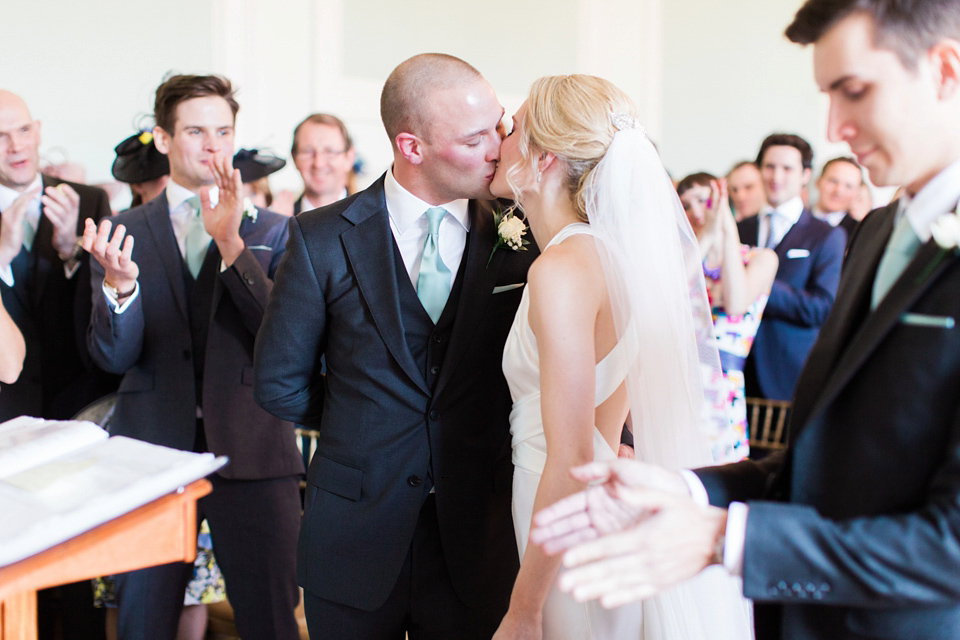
x=74, y=254
x=117, y=294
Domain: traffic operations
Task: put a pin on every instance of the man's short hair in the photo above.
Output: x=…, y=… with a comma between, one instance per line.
x=326, y=119
x=741, y=165
x=180, y=88
x=410, y=85
x=839, y=159
x=906, y=27
x=788, y=140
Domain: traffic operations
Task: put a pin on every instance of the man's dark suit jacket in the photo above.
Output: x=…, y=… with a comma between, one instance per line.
x=52, y=312
x=298, y=205
x=336, y=294
x=150, y=344
x=811, y=254
x=855, y=531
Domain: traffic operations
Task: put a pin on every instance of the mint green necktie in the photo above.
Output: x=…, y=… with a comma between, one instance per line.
x=29, y=233
x=433, y=285
x=900, y=250
x=197, y=240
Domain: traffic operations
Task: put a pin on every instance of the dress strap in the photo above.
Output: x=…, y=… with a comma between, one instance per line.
x=572, y=229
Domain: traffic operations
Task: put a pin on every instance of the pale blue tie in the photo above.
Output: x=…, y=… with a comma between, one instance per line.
x=197, y=239
x=433, y=285
x=771, y=235
x=29, y=233
x=901, y=248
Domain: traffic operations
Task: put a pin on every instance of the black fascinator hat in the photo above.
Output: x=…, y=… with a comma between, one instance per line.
x=254, y=164
x=138, y=160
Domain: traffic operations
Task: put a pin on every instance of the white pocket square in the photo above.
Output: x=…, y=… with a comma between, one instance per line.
x=260, y=247
x=508, y=287
x=798, y=253
x=924, y=320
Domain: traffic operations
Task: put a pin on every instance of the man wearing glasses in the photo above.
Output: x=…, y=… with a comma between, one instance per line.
x=323, y=154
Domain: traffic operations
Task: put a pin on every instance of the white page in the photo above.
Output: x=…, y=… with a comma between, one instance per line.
x=27, y=442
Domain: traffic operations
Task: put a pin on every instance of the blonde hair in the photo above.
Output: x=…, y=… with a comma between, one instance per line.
x=570, y=117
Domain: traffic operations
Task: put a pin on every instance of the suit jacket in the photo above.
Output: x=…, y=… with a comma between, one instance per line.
x=855, y=530
x=298, y=205
x=150, y=344
x=336, y=295
x=811, y=254
x=52, y=312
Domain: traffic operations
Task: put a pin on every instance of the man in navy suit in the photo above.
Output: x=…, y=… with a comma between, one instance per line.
x=178, y=295
x=811, y=254
x=407, y=524
x=854, y=531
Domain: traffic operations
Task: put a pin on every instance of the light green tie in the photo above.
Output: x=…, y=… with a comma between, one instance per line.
x=433, y=285
x=900, y=250
x=197, y=240
x=29, y=233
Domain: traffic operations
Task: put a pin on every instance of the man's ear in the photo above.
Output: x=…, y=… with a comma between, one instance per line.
x=410, y=147
x=37, y=123
x=945, y=58
x=161, y=140
x=807, y=174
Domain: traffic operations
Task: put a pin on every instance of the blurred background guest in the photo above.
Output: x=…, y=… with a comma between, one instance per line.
x=738, y=282
x=839, y=185
x=862, y=204
x=142, y=166
x=324, y=155
x=746, y=190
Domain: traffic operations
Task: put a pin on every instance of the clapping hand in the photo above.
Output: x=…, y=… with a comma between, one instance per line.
x=223, y=221
x=114, y=254
x=61, y=205
x=637, y=533
x=11, y=226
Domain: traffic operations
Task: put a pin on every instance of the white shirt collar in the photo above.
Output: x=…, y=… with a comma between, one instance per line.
x=937, y=197
x=307, y=205
x=177, y=195
x=833, y=218
x=8, y=195
x=405, y=208
x=791, y=210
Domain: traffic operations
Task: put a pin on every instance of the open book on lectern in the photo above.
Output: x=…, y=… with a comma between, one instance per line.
x=60, y=479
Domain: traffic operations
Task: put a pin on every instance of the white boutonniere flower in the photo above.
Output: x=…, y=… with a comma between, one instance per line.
x=510, y=232
x=250, y=210
x=946, y=233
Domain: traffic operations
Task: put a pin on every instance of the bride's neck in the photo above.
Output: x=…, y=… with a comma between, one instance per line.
x=549, y=212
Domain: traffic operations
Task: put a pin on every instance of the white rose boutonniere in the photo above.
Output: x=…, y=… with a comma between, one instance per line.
x=510, y=232
x=250, y=210
x=946, y=233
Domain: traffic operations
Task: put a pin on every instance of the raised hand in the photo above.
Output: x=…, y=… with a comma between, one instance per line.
x=613, y=505
x=223, y=221
x=114, y=254
x=11, y=226
x=61, y=205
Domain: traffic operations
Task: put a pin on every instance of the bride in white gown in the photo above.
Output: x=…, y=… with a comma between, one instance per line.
x=614, y=322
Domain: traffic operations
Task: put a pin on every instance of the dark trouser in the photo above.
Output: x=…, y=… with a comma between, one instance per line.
x=254, y=525
x=423, y=603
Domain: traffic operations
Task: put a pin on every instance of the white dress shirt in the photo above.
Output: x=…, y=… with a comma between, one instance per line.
x=180, y=219
x=833, y=218
x=939, y=196
x=783, y=219
x=7, y=196
x=306, y=205
x=409, y=226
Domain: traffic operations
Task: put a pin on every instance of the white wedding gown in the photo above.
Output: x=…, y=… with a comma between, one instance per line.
x=563, y=617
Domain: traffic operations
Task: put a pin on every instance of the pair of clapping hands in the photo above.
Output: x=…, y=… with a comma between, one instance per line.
x=61, y=205
x=635, y=532
x=221, y=222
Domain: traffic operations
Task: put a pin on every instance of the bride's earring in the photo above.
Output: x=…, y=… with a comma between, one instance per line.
x=539, y=176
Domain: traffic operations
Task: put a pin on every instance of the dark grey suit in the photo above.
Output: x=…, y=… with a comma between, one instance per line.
x=855, y=531
x=255, y=504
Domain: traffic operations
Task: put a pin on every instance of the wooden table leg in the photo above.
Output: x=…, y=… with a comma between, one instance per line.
x=18, y=616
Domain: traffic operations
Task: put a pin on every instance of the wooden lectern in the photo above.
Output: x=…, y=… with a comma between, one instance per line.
x=159, y=532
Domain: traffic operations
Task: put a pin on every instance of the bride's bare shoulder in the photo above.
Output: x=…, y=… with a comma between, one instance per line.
x=570, y=267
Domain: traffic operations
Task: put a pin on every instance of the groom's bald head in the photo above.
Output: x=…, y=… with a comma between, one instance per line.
x=406, y=98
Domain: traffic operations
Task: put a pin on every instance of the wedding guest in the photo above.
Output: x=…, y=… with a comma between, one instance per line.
x=176, y=314
x=854, y=530
x=746, y=190
x=739, y=279
x=323, y=154
x=142, y=166
x=862, y=204
x=254, y=167
x=11, y=357
x=839, y=185
x=810, y=253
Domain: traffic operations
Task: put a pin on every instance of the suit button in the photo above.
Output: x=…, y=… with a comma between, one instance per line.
x=247, y=278
x=186, y=354
x=434, y=415
x=414, y=481
x=438, y=339
x=434, y=370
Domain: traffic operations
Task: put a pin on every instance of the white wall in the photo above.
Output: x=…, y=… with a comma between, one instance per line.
x=710, y=78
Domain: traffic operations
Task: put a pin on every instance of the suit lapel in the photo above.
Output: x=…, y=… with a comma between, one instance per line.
x=369, y=248
x=920, y=274
x=157, y=214
x=478, y=283
x=796, y=230
x=851, y=307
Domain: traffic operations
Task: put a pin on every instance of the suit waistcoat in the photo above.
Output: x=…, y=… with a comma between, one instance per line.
x=199, y=302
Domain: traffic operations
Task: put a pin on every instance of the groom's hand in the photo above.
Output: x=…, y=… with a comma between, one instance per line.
x=613, y=504
x=673, y=542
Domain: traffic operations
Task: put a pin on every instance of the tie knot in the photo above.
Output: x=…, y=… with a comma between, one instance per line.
x=194, y=203
x=434, y=216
